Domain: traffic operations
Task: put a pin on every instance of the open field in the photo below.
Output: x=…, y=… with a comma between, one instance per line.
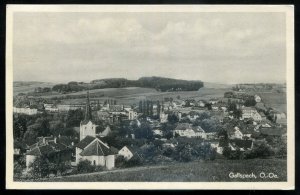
x=199, y=171
x=134, y=95
x=275, y=100
x=25, y=87
x=129, y=95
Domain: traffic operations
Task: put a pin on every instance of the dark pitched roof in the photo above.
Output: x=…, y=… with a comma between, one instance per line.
x=272, y=131
x=65, y=140
x=241, y=143
x=57, y=146
x=46, y=149
x=182, y=126
x=41, y=150
x=133, y=149
x=223, y=143
x=35, y=152
x=86, y=141
x=20, y=144
x=248, y=129
x=96, y=149
x=114, y=150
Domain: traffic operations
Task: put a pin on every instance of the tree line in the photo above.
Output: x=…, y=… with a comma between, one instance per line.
x=158, y=83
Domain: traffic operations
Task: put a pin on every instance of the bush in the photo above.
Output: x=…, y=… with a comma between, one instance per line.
x=134, y=161
x=99, y=168
x=40, y=167
x=63, y=167
x=168, y=152
x=261, y=149
x=120, y=161
x=85, y=166
x=233, y=154
x=18, y=169
x=183, y=153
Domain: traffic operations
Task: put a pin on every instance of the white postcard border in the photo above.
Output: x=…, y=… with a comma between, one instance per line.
x=288, y=9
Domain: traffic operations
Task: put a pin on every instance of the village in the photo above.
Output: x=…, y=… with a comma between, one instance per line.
x=63, y=139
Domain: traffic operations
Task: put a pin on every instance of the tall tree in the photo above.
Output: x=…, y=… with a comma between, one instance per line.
x=141, y=106
x=151, y=109
x=74, y=117
x=158, y=108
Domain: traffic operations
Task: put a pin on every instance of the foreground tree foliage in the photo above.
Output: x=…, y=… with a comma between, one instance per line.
x=74, y=117
x=42, y=167
x=19, y=166
x=85, y=166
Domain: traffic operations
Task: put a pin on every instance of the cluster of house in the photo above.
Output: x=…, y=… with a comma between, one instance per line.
x=91, y=147
x=27, y=111
x=62, y=148
x=62, y=107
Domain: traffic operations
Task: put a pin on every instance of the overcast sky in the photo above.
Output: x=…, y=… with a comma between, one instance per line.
x=213, y=47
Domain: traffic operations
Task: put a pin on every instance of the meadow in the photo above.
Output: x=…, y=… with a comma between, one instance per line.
x=130, y=96
x=275, y=100
x=25, y=87
x=196, y=171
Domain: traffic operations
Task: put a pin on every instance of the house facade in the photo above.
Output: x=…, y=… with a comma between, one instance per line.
x=248, y=112
x=186, y=130
x=132, y=115
x=27, y=111
x=97, y=152
x=129, y=152
x=257, y=98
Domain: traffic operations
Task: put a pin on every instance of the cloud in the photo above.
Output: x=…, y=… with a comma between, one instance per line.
x=179, y=46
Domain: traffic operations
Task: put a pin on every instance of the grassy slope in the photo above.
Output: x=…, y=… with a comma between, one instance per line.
x=134, y=95
x=25, y=87
x=217, y=170
x=275, y=100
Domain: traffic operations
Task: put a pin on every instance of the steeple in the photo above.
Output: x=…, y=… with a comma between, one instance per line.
x=88, y=111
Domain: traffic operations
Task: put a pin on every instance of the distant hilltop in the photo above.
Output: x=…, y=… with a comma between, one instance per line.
x=158, y=83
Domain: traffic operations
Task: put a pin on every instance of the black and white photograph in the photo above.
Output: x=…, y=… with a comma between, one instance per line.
x=171, y=97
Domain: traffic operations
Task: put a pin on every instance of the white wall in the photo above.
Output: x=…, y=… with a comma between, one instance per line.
x=29, y=160
x=110, y=161
x=126, y=153
x=88, y=129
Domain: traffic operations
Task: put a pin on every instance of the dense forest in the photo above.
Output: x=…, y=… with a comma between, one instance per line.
x=158, y=83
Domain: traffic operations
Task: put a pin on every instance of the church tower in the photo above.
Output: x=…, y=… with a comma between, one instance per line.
x=87, y=127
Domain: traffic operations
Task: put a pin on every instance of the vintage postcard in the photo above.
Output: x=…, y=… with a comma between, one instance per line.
x=150, y=97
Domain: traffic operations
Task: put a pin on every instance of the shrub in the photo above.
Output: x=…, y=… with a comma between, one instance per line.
x=261, y=149
x=233, y=154
x=63, y=167
x=183, y=153
x=40, y=167
x=168, y=152
x=85, y=166
x=19, y=166
x=134, y=161
x=120, y=161
x=18, y=169
x=99, y=168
